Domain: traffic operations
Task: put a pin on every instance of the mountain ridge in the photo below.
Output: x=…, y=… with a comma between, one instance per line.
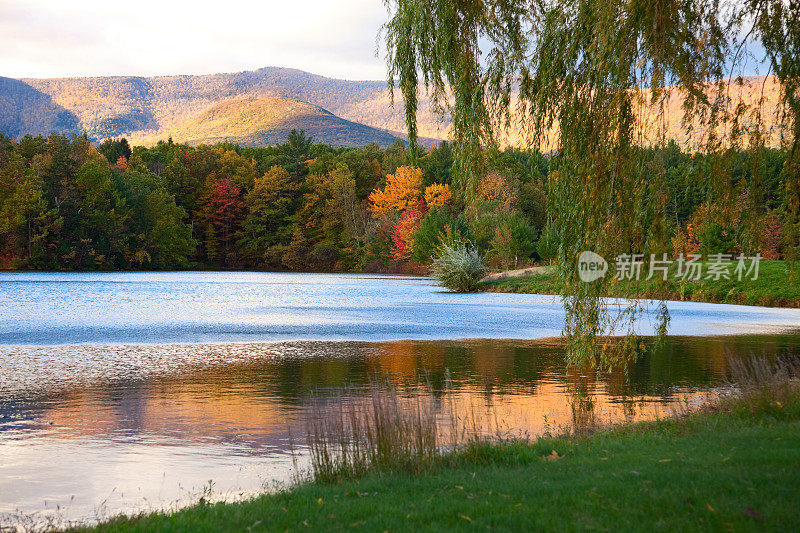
x=146, y=109
x=142, y=108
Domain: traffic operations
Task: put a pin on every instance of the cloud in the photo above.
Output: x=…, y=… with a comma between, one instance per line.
x=156, y=37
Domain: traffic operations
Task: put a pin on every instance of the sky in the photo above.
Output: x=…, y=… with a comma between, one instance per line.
x=62, y=38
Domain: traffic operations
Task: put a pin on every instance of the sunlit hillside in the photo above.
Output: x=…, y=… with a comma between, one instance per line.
x=266, y=121
x=757, y=93
x=148, y=109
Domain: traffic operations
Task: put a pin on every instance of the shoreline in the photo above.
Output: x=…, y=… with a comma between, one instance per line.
x=732, y=464
x=774, y=287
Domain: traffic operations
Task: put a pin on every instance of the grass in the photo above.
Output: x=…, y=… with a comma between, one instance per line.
x=733, y=466
x=387, y=431
x=773, y=288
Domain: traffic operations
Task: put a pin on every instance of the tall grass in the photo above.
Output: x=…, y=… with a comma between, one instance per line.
x=386, y=430
x=411, y=430
x=761, y=384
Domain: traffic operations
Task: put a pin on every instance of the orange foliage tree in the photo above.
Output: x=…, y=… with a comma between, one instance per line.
x=402, y=192
x=494, y=187
x=437, y=195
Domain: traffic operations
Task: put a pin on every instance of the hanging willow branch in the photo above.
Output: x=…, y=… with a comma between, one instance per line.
x=576, y=75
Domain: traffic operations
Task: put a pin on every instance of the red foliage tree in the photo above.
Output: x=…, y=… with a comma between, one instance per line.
x=403, y=234
x=227, y=207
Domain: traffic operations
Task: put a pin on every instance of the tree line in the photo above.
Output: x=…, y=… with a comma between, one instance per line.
x=66, y=204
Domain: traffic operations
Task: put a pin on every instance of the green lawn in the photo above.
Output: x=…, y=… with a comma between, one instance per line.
x=725, y=471
x=773, y=288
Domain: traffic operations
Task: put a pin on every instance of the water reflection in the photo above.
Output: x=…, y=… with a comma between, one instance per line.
x=103, y=429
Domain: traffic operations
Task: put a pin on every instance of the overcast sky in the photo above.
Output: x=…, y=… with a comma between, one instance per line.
x=58, y=38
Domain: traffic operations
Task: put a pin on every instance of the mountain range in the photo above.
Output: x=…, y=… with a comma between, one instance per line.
x=254, y=107
x=260, y=107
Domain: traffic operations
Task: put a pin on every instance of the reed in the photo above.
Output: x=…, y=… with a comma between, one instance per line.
x=387, y=429
x=764, y=383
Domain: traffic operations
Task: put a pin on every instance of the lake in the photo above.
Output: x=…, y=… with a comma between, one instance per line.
x=122, y=392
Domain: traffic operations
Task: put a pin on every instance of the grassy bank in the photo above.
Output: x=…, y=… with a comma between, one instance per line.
x=735, y=466
x=773, y=288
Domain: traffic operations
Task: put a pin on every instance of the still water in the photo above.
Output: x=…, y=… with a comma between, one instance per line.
x=137, y=391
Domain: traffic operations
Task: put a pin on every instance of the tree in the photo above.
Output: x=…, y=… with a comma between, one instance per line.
x=101, y=216
x=22, y=207
x=115, y=149
x=226, y=207
x=158, y=235
x=296, y=255
x=577, y=70
x=269, y=205
x=403, y=234
x=437, y=195
x=514, y=240
x=402, y=192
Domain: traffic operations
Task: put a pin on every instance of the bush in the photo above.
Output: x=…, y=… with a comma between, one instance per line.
x=324, y=256
x=459, y=267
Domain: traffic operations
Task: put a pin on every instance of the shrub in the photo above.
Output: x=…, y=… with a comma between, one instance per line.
x=459, y=267
x=324, y=256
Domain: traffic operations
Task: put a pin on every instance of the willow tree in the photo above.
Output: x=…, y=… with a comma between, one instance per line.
x=577, y=76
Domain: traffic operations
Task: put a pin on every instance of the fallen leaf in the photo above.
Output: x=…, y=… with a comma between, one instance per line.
x=553, y=456
x=664, y=460
x=755, y=514
x=468, y=519
x=710, y=508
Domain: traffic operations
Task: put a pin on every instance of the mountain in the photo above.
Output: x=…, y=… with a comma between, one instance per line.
x=339, y=112
x=268, y=120
x=23, y=110
x=146, y=109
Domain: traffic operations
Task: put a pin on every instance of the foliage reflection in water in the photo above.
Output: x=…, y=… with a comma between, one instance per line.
x=99, y=430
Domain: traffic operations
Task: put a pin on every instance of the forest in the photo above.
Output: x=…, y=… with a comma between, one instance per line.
x=67, y=204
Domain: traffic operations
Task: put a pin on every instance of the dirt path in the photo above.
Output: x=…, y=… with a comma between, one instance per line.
x=520, y=273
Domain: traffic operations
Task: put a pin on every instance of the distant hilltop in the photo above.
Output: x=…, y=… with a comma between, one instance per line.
x=258, y=108
x=338, y=112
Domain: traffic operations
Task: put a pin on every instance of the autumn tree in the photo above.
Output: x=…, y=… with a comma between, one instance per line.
x=402, y=192
x=225, y=209
x=269, y=205
x=574, y=69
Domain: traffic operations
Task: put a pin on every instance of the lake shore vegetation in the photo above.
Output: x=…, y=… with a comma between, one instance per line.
x=299, y=206
x=773, y=287
x=731, y=464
